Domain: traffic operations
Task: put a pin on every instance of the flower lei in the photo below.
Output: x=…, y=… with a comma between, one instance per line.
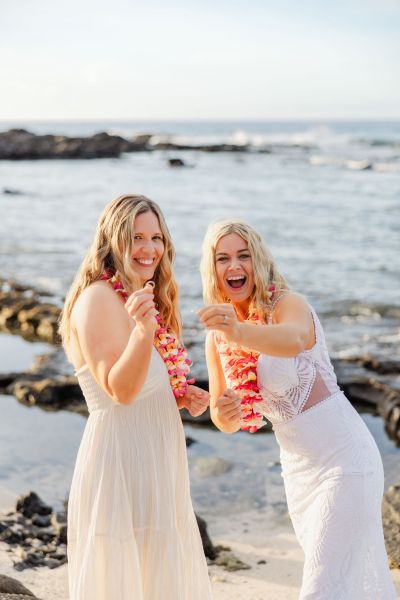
x=240, y=368
x=171, y=351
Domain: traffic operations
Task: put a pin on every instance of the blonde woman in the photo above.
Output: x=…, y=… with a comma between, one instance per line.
x=266, y=342
x=132, y=532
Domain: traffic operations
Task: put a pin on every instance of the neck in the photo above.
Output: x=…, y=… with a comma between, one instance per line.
x=242, y=309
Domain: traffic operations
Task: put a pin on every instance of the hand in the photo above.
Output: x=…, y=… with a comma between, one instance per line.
x=228, y=408
x=221, y=317
x=196, y=400
x=140, y=306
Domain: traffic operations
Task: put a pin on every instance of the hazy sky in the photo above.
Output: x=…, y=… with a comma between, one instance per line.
x=199, y=59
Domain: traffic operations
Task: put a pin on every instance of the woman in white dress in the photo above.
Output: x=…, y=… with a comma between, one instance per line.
x=132, y=532
x=266, y=345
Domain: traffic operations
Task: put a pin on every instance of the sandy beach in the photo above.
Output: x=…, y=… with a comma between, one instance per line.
x=271, y=551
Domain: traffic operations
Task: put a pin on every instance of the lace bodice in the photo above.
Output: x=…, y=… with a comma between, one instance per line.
x=291, y=385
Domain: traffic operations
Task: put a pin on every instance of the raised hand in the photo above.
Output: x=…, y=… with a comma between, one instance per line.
x=221, y=317
x=141, y=307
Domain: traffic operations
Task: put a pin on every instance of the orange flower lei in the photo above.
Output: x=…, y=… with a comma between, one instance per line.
x=171, y=351
x=240, y=368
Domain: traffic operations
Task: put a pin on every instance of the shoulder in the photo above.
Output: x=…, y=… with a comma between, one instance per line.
x=95, y=300
x=288, y=304
x=97, y=292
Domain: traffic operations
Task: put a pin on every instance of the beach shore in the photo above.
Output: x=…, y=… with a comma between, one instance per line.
x=271, y=550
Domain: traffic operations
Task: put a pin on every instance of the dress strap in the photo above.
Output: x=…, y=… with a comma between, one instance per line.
x=275, y=302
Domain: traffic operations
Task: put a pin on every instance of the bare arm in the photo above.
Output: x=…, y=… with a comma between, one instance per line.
x=292, y=332
x=116, y=347
x=224, y=404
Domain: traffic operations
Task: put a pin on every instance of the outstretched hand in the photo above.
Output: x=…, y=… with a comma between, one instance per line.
x=196, y=400
x=221, y=317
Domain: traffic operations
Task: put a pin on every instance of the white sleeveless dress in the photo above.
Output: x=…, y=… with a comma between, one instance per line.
x=132, y=532
x=333, y=476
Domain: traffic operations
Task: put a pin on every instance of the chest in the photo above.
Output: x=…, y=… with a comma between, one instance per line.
x=279, y=375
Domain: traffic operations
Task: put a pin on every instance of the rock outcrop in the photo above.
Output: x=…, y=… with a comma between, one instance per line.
x=19, y=144
x=31, y=313
x=11, y=589
x=35, y=533
x=391, y=524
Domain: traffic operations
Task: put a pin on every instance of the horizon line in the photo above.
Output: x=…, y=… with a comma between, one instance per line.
x=200, y=120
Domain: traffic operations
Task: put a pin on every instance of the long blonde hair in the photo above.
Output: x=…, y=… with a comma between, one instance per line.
x=264, y=269
x=111, y=250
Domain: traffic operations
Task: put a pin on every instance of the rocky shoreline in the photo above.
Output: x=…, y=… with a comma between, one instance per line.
x=20, y=144
x=34, y=315
x=36, y=536
x=35, y=533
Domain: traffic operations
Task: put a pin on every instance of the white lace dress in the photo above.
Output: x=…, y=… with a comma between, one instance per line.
x=132, y=532
x=333, y=476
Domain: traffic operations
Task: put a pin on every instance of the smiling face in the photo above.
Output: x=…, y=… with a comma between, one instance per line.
x=148, y=246
x=234, y=268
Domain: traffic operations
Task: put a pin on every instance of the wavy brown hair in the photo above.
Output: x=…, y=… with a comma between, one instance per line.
x=111, y=250
x=264, y=268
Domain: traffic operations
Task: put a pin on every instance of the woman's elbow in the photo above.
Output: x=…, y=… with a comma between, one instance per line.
x=123, y=400
x=300, y=342
x=121, y=395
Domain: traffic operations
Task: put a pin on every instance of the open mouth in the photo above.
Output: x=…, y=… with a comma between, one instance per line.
x=145, y=262
x=236, y=282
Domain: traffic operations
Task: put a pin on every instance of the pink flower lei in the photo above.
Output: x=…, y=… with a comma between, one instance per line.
x=171, y=351
x=240, y=368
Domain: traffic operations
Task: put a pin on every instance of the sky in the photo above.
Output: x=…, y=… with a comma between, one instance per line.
x=199, y=59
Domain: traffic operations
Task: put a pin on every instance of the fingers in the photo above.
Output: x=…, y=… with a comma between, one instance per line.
x=217, y=316
x=151, y=312
x=229, y=415
x=142, y=310
x=213, y=309
x=228, y=399
x=197, y=400
x=198, y=393
x=139, y=295
x=202, y=401
x=196, y=410
x=228, y=406
x=139, y=303
x=194, y=391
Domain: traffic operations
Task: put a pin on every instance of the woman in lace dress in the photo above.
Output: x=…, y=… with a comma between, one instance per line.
x=331, y=466
x=132, y=532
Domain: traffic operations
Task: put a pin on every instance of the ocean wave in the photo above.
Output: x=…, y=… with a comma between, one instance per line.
x=303, y=139
x=350, y=309
x=355, y=165
x=378, y=142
